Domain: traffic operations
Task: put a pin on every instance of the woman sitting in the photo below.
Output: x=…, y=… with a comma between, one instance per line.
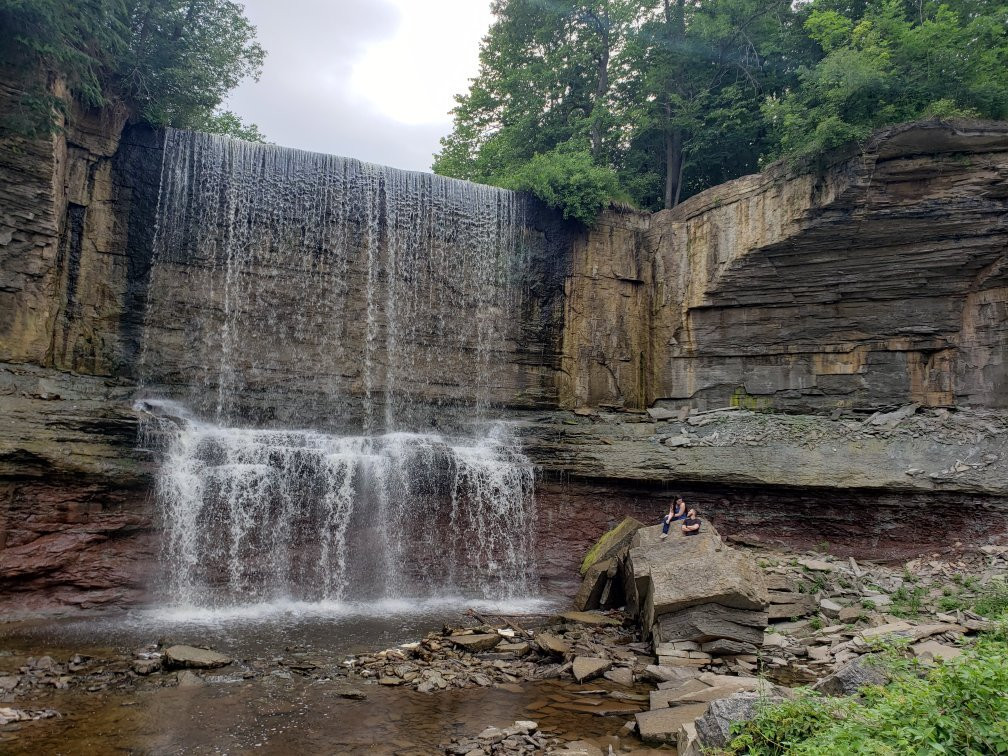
x=676, y=511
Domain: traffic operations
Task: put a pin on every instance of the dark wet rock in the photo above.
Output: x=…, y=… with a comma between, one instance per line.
x=476, y=642
x=589, y=596
x=190, y=657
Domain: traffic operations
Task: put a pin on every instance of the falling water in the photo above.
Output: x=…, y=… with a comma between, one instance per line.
x=294, y=291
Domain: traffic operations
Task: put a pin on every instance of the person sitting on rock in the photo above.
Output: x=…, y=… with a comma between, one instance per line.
x=676, y=511
x=691, y=525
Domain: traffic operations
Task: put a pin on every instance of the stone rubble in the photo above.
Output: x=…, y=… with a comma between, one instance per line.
x=843, y=609
x=826, y=618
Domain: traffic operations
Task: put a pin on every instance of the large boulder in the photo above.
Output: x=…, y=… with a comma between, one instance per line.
x=686, y=571
x=612, y=544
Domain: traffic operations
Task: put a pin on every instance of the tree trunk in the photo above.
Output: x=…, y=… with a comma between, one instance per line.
x=601, y=87
x=675, y=26
x=673, y=167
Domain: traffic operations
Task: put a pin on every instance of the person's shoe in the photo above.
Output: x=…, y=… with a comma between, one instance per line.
x=664, y=536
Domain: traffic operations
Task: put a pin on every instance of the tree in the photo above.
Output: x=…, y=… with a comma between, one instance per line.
x=171, y=62
x=545, y=79
x=897, y=61
x=643, y=83
x=705, y=69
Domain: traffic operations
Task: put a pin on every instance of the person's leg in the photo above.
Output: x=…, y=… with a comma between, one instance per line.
x=665, y=528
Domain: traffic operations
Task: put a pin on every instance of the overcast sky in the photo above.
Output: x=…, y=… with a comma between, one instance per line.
x=371, y=79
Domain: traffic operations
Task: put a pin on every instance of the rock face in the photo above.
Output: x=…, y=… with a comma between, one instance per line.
x=762, y=293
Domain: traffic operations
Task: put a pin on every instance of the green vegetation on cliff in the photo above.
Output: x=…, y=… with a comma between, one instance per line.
x=170, y=62
x=669, y=97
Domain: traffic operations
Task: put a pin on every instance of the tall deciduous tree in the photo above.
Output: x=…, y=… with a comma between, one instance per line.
x=171, y=62
x=888, y=61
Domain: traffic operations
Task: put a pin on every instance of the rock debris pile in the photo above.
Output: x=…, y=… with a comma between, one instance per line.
x=729, y=629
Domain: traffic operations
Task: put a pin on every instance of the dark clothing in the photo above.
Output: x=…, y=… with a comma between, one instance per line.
x=690, y=522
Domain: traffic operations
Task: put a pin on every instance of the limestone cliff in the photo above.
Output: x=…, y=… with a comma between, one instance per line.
x=870, y=282
x=875, y=280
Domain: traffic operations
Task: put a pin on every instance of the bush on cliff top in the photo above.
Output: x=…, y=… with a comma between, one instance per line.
x=958, y=707
x=568, y=179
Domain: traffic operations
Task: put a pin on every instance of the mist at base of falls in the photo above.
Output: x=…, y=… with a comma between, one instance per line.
x=258, y=516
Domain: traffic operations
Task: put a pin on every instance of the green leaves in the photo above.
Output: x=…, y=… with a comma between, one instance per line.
x=170, y=61
x=567, y=178
x=958, y=707
x=895, y=62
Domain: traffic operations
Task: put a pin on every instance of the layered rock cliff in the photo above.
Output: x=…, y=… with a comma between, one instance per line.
x=874, y=281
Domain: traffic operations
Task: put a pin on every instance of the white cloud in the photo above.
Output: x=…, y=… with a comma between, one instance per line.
x=372, y=79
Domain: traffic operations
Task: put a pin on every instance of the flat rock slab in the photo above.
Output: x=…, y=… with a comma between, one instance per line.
x=476, y=642
x=620, y=676
x=817, y=565
x=518, y=649
x=725, y=647
x=661, y=674
x=709, y=622
x=662, y=725
x=552, y=644
x=190, y=657
x=887, y=629
x=935, y=650
x=588, y=667
x=590, y=618
x=920, y=632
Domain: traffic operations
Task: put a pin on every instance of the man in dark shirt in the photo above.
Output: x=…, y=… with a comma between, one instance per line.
x=691, y=525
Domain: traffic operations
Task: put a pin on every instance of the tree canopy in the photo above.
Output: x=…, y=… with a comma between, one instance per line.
x=655, y=100
x=171, y=62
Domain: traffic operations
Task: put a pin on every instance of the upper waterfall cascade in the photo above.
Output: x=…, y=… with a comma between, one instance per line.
x=340, y=327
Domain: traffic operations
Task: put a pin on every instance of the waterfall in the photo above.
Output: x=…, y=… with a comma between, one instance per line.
x=325, y=343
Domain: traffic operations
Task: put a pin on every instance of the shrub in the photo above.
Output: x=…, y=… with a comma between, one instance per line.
x=568, y=179
x=956, y=707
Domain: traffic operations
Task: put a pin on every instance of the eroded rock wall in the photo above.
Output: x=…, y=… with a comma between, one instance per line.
x=75, y=219
x=876, y=281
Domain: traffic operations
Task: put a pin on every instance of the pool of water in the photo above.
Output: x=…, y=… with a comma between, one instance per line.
x=258, y=629
x=289, y=713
